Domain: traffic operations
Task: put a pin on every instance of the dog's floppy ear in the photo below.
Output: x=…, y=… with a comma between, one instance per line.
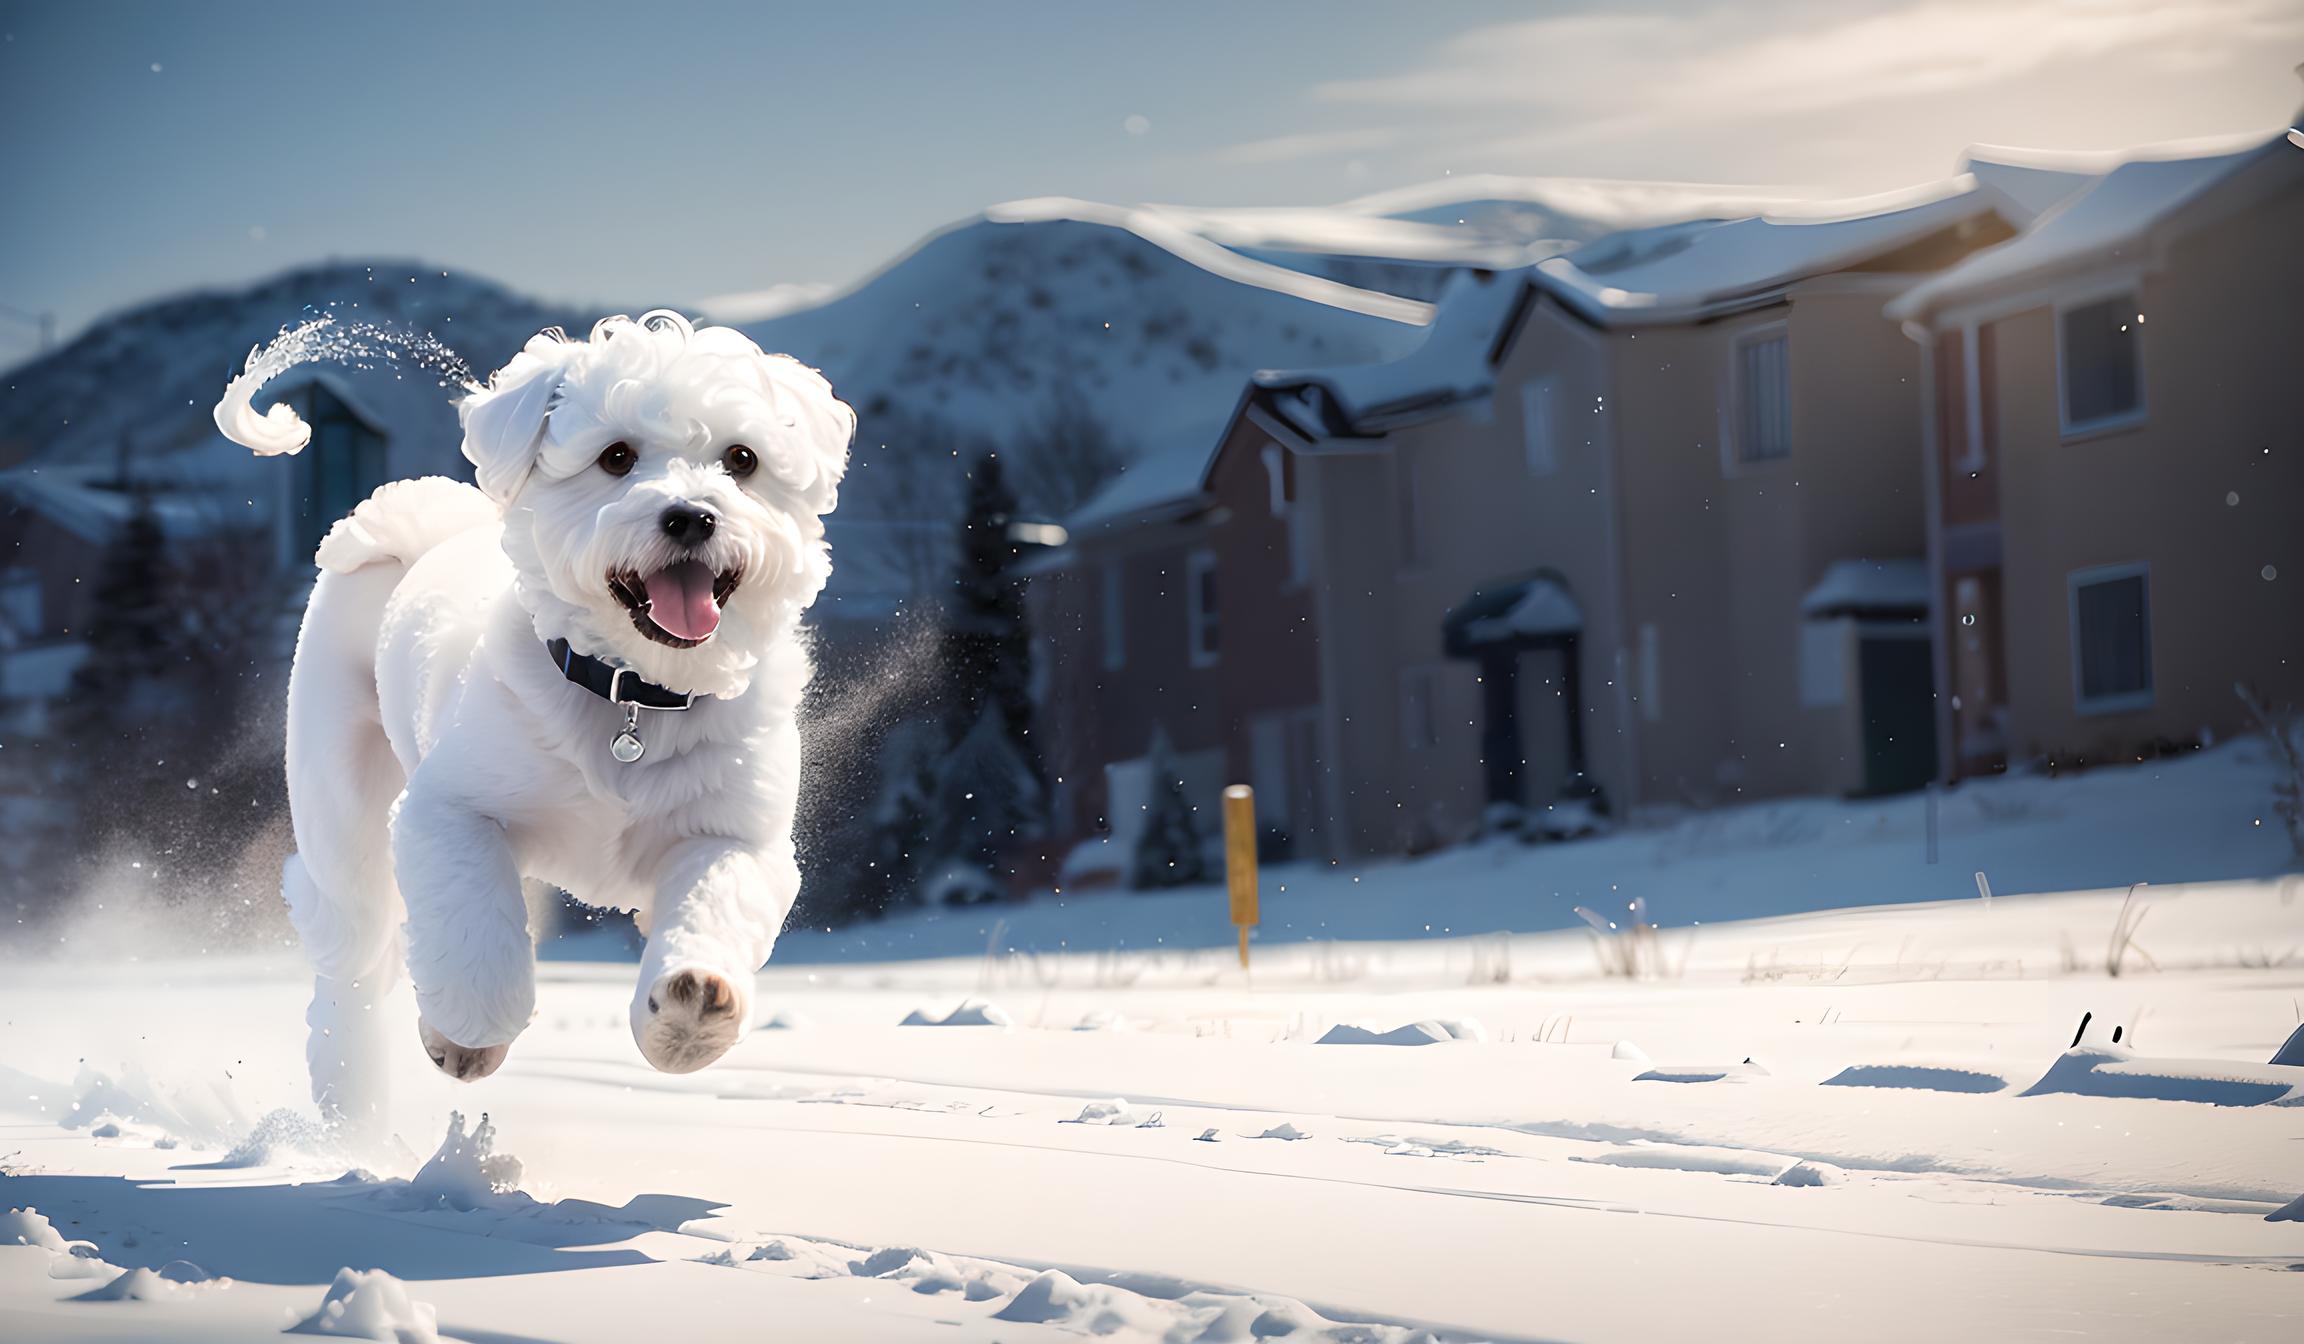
x=827, y=427
x=503, y=420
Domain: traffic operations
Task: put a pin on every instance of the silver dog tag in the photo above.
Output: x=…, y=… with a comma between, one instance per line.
x=626, y=746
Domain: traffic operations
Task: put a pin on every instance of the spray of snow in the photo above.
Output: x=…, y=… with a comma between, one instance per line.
x=371, y=1304
x=360, y=345
x=283, y=1136
x=467, y=1173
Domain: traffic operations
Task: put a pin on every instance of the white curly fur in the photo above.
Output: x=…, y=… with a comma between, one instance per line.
x=436, y=756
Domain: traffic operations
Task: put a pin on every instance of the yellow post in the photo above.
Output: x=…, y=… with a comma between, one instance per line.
x=1240, y=859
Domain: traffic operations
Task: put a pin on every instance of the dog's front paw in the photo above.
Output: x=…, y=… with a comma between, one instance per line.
x=464, y=1063
x=689, y=1019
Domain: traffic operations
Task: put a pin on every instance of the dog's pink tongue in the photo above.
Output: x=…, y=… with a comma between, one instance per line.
x=680, y=600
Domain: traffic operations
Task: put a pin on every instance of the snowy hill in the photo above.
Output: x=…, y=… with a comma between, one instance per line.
x=1152, y=327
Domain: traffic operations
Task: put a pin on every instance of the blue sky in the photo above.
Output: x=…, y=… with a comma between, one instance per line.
x=641, y=154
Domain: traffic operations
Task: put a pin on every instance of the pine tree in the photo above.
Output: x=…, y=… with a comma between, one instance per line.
x=988, y=645
x=118, y=718
x=1169, y=852
x=986, y=799
x=898, y=841
x=134, y=639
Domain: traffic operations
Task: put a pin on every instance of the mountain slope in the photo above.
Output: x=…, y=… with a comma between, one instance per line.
x=982, y=324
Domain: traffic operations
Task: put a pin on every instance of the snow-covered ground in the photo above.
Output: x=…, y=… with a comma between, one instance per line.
x=1864, y=1122
x=2190, y=818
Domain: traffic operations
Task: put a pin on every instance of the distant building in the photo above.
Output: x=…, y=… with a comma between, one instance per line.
x=220, y=512
x=1635, y=528
x=345, y=462
x=2115, y=450
x=1129, y=621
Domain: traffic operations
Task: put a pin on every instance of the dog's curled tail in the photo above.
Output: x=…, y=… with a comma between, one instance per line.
x=402, y=521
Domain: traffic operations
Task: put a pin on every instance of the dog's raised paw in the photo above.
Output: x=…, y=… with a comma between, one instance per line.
x=467, y=1064
x=692, y=1017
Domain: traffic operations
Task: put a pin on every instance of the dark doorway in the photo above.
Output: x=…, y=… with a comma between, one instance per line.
x=1499, y=626
x=1894, y=679
x=342, y=465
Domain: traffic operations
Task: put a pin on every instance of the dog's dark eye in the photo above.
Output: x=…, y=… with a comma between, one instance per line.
x=741, y=460
x=617, y=458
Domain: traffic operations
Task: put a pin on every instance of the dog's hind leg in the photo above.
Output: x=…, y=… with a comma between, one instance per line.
x=342, y=780
x=354, y=964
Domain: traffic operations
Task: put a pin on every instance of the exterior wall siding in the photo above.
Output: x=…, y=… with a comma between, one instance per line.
x=2224, y=422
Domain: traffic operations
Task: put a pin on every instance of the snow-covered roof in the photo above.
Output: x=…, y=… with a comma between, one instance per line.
x=1543, y=608
x=2031, y=184
x=295, y=380
x=2135, y=193
x=1675, y=272
x=1537, y=607
x=1165, y=478
x=1452, y=365
x=1851, y=586
x=94, y=513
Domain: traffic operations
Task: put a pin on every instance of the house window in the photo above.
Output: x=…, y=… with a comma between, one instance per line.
x=1200, y=607
x=1419, y=708
x=1406, y=486
x=1537, y=427
x=2112, y=639
x=1763, y=425
x=1114, y=619
x=19, y=604
x=1276, y=479
x=2096, y=351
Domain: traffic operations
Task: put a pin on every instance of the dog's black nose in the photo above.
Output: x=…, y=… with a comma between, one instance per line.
x=688, y=526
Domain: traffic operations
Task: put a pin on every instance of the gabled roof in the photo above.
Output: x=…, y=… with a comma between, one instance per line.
x=95, y=512
x=1159, y=484
x=2109, y=218
x=1683, y=272
x=295, y=380
x=1455, y=363
x=2030, y=183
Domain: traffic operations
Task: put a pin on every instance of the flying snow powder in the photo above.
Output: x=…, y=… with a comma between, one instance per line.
x=359, y=345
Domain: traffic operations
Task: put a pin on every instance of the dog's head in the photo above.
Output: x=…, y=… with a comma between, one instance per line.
x=664, y=491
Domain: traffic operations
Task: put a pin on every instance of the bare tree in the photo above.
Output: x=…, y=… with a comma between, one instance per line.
x=1061, y=458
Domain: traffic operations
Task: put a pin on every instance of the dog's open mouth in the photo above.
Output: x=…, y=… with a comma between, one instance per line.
x=677, y=605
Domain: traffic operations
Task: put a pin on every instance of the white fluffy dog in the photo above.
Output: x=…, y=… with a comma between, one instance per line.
x=648, y=526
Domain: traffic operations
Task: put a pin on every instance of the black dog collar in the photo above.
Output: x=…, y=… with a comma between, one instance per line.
x=617, y=686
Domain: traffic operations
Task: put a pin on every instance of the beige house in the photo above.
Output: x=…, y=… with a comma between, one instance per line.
x=1641, y=527
x=2115, y=462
